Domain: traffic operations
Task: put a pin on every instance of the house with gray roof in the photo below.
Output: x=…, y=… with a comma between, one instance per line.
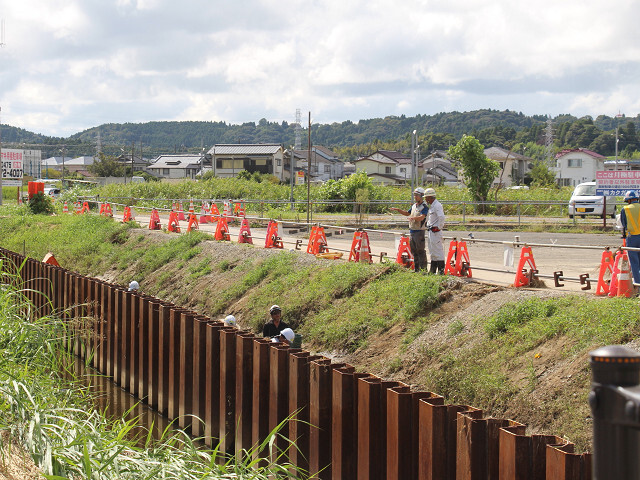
x=230, y=159
x=176, y=166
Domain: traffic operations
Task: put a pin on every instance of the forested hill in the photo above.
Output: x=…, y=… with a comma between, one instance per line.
x=491, y=127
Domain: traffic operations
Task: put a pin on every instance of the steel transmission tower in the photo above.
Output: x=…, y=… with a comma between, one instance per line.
x=298, y=129
x=548, y=142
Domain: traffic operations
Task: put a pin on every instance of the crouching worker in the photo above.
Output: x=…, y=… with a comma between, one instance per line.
x=275, y=325
x=286, y=336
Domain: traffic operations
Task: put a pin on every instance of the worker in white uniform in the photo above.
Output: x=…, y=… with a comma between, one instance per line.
x=435, y=225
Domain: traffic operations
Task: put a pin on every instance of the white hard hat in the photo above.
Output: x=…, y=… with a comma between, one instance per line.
x=230, y=320
x=288, y=334
x=430, y=192
x=419, y=190
x=275, y=308
x=133, y=286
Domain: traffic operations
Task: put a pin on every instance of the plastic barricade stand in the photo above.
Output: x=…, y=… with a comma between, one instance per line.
x=606, y=265
x=108, y=212
x=273, y=239
x=174, y=224
x=317, y=241
x=193, y=223
x=238, y=209
x=222, y=230
x=126, y=214
x=245, y=232
x=154, y=220
x=85, y=208
x=405, y=257
x=462, y=268
x=452, y=255
x=526, y=258
x=215, y=213
x=360, y=248
x=101, y=209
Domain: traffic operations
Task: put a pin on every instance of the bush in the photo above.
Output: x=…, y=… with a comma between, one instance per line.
x=40, y=204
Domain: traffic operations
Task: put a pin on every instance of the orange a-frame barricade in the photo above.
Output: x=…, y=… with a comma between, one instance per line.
x=360, y=248
x=526, y=258
x=238, y=209
x=245, y=232
x=458, y=262
x=174, y=224
x=317, y=241
x=215, y=213
x=405, y=257
x=193, y=223
x=85, y=208
x=606, y=265
x=127, y=216
x=222, y=230
x=204, y=213
x=105, y=209
x=154, y=220
x=273, y=239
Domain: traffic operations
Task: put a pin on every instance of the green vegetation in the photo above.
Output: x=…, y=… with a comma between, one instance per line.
x=55, y=423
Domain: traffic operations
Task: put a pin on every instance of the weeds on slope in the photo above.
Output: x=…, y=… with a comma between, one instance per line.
x=57, y=426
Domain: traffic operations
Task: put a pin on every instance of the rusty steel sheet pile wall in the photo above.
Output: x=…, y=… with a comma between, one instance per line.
x=230, y=386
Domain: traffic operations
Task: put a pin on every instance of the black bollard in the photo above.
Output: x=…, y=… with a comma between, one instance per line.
x=615, y=406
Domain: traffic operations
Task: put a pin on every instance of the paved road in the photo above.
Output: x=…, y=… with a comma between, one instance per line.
x=572, y=253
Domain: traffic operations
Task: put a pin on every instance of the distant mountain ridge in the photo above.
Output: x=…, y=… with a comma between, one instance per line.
x=192, y=136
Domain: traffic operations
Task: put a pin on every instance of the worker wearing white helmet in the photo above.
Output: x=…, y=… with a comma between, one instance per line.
x=435, y=224
x=417, y=225
x=134, y=286
x=230, y=321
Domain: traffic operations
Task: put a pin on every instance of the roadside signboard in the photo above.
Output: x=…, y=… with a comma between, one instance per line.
x=299, y=177
x=12, y=171
x=616, y=183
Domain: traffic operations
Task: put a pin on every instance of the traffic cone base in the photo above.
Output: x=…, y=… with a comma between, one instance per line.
x=245, y=233
x=174, y=224
x=154, y=221
x=222, y=230
x=193, y=223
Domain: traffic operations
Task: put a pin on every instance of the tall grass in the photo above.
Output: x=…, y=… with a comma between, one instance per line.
x=56, y=424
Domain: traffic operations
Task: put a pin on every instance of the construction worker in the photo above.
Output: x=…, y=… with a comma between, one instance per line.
x=630, y=219
x=285, y=336
x=417, y=225
x=230, y=321
x=134, y=286
x=435, y=224
x=275, y=325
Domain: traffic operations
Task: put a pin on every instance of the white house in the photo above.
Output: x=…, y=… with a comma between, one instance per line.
x=325, y=164
x=386, y=166
x=577, y=166
x=513, y=166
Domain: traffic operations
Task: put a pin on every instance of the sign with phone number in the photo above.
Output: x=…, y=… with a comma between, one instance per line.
x=12, y=173
x=617, y=183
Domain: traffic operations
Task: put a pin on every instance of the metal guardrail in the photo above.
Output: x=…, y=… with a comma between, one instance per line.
x=349, y=424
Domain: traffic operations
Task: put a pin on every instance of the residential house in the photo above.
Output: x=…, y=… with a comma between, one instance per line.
x=513, y=166
x=325, y=164
x=438, y=169
x=229, y=159
x=176, y=166
x=139, y=163
x=76, y=164
x=577, y=166
x=386, y=167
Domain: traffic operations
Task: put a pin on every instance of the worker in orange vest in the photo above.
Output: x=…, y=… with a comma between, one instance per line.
x=630, y=219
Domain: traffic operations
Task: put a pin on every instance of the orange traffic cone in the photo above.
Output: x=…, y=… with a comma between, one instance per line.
x=606, y=265
x=625, y=280
x=191, y=210
x=526, y=258
x=50, y=259
x=405, y=257
x=204, y=213
x=222, y=230
x=181, y=216
x=360, y=249
x=65, y=208
x=245, y=233
x=193, y=223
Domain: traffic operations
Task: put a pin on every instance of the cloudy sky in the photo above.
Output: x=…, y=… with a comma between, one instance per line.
x=69, y=65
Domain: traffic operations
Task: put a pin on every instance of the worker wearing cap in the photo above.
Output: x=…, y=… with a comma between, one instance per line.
x=273, y=327
x=435, y=224
x=417, y=225
x=630, y=219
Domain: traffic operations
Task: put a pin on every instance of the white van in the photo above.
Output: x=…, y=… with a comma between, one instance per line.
x=584, y=201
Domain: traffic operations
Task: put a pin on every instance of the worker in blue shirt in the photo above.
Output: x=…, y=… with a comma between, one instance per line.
x=630, y=219
x=417, y=226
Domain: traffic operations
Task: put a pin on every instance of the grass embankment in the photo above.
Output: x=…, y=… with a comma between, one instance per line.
x=55, y=423
x=528, y=361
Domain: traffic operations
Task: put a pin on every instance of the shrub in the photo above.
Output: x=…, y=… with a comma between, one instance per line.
x=40, y=204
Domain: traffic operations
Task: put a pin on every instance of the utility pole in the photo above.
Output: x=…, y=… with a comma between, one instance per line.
x=133, y=150
x=292, y=161
x=413, y=154
x=63, y=150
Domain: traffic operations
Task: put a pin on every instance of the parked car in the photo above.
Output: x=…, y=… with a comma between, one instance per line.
x=584, y=201
x=52, y=192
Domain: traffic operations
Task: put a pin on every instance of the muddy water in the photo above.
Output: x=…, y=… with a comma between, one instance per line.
x=115, y=402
